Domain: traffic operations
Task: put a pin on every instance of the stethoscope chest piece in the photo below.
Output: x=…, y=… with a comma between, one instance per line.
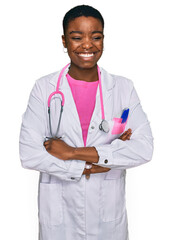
x=104, y=126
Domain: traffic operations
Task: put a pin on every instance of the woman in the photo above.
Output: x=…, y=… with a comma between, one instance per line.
x=82, y=154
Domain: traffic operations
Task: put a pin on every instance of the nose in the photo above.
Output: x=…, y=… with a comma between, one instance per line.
x=87, y=44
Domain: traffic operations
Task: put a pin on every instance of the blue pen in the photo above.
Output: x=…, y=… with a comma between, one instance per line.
x=124, y=115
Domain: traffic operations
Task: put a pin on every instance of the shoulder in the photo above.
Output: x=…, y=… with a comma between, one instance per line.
x=44, y=81
x=116, y=80
x=122, y=87
x=47, y=78
x=42, y=85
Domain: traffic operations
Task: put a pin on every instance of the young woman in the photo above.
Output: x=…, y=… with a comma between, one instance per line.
x=82, y=129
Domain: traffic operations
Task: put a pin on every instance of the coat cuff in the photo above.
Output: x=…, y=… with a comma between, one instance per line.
x=105, y=155
x=75, y=171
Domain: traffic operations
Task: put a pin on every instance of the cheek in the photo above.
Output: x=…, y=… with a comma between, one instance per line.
x=99, y=45
x=71, y=46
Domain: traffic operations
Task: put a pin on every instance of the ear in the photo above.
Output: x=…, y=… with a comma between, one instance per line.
x=63, y=41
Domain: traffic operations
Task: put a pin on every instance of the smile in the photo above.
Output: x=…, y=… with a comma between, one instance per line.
x=85, y=55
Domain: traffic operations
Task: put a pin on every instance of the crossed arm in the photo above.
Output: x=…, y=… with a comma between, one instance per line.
x=61, y=150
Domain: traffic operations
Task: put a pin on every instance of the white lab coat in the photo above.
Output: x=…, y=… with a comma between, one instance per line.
x=70, y=206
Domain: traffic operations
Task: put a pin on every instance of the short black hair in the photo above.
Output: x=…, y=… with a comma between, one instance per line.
x=81, y=10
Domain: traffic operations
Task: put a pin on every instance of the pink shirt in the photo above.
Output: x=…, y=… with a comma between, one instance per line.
x=84, y=95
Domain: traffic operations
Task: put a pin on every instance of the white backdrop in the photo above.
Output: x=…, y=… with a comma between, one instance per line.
x=138, y=45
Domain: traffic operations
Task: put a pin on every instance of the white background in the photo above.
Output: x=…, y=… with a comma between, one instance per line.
x=138, y=45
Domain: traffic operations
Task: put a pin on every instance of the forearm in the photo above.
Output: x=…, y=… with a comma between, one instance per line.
x=127, y=154
x=61, y=150
x=88, y=154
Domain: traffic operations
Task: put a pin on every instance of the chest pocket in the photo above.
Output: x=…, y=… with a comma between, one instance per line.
x=113, y=196
x=50, y=204
x=113, y=115
x=118, y=126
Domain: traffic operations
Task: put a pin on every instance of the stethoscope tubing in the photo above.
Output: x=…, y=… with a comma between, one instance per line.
x=63, y=101
x=101, y=94
x=54, y=93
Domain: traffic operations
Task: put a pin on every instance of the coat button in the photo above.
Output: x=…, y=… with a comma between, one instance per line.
x=106, y=161
x=72, y=178
x=92, y=127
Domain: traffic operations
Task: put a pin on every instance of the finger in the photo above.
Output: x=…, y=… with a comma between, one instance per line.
x=129, y=136
x=46, y=143
x=124, y=137
x=127, y=133
x=124, y=133
x=129, y=130
x=87, y=176
x=98, y=169
x=47, y=148
x=58, y=139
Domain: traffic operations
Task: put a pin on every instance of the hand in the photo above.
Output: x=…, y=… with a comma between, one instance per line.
x=58, y=148
x=126, y=135
x=95, y=169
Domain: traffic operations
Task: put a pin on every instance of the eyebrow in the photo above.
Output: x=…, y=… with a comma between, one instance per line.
x=98, y=32
x=81, y=32
x=75, y=32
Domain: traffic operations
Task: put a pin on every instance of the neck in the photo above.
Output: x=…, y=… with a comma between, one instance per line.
x=85, y=74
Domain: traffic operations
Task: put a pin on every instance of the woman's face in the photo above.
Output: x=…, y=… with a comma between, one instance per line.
x=84, y=41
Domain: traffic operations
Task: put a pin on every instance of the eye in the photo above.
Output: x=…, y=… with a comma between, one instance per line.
x=97, y=38
x=76, y=38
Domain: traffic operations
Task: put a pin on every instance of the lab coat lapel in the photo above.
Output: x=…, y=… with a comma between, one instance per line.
x=69, y=104
x=107, y=84
x=69, y=101
x=65, y=89
x=70, y=108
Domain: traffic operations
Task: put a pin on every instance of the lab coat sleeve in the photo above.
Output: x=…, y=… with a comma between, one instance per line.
x=134, y=152
x=32, y=152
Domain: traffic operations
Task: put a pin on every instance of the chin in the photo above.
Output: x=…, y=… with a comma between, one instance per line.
x=86, y=65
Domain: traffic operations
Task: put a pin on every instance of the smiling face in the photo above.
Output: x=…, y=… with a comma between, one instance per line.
x=84, y=41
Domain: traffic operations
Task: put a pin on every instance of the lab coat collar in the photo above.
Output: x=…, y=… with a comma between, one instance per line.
x=107, y=80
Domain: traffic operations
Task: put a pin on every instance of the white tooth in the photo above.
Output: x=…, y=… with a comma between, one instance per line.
x=86, y=54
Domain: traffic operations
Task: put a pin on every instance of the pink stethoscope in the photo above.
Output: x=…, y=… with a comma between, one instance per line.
x=104, y=126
